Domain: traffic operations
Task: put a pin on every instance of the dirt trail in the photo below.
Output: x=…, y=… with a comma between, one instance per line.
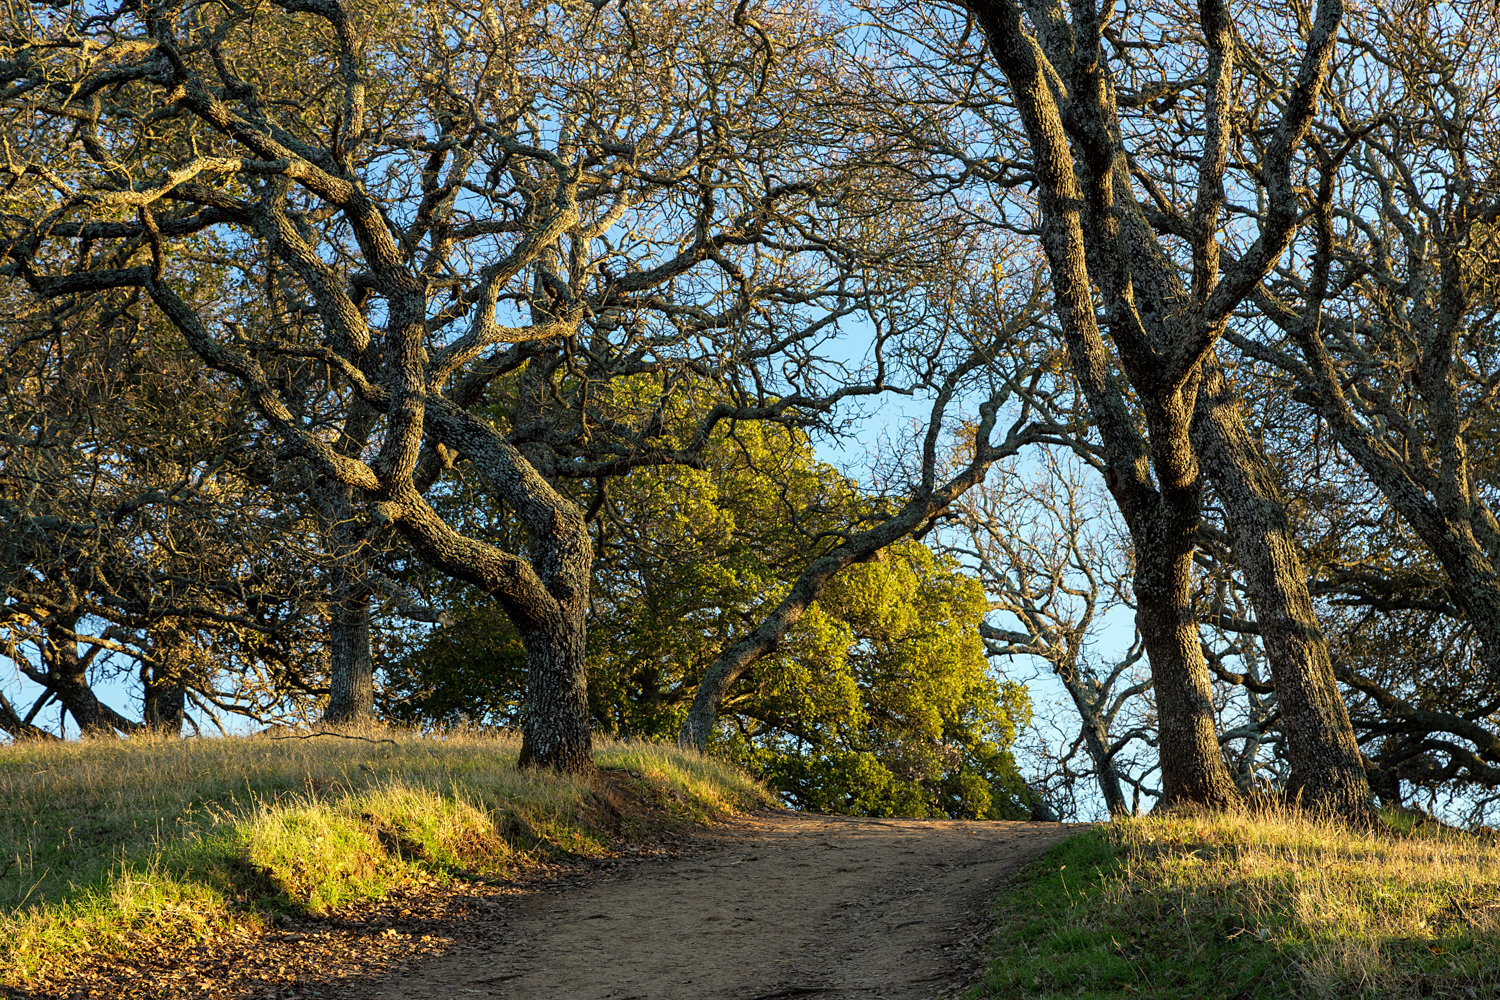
x=783, y=905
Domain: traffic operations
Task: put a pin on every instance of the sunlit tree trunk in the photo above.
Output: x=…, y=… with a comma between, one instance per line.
x=1112, y=275
x=1328, y=773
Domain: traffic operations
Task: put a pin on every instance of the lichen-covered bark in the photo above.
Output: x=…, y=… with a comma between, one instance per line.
x=1328, y=773
x=351, y=685
x=1192, y=767
x=1161, y=521
x=555, y=726
x=546, y=595
x=1097, y=239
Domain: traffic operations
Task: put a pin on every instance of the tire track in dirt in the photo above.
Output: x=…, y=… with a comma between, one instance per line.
x=773, y=906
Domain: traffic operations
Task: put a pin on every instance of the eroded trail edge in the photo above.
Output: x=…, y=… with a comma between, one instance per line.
x=769, y=906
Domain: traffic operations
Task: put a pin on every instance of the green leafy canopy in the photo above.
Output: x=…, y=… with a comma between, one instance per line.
x=879, y=702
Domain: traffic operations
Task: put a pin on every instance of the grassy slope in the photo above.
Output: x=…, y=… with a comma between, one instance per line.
x=1250, y=907
x=104, y=841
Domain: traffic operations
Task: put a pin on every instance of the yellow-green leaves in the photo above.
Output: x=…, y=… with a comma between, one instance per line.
x=881, y=702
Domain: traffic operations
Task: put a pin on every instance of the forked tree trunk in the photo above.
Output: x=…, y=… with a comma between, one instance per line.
x=1163, y=522
x=545, y=595
x=67, y=677
x=1103, y=249
x=1328, y=774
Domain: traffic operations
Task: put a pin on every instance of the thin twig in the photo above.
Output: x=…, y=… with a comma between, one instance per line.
x=342, y=736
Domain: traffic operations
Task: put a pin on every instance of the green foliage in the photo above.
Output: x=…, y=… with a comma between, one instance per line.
x=471, y=671
x=879, y=702
x=691, y=559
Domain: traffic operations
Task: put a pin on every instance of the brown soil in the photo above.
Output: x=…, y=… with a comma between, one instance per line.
x=778, y=905
x=775, y=905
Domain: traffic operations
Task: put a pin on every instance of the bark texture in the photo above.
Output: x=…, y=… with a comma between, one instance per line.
x=1328, y=773
x=351, y=685
x=1097, y=238
x=165, y=702
x=555, y=727
x=66, y=676
x=546, y=596
x=1389, y=375
x=1192, y=767
x=351, y=681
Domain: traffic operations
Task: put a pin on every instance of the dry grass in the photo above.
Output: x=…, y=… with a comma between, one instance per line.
x=1267, y=905
x=104, y=842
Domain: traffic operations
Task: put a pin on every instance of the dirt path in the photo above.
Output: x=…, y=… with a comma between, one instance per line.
x=776, y=906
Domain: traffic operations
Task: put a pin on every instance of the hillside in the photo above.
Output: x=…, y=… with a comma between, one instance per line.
x=119, y=849
x=1254, y=907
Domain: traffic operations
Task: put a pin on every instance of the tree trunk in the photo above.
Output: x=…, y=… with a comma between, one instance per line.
x=1163, y=525
x=67, y=677
x=1094, y=732
x=165, y=700
x=555, y=725
x=1098, y=240
x=1096, y=742
x=1192, y=766
x=351, y=685
x=1328, y=773
x=731, y=665
x=545, y=595
x=1088, y=212
x=162, y=682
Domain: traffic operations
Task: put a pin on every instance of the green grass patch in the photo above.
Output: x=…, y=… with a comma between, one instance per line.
x=1194, y=907
x=105, y=842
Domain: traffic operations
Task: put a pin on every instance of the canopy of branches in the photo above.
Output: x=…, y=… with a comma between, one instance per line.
x=798, y=382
